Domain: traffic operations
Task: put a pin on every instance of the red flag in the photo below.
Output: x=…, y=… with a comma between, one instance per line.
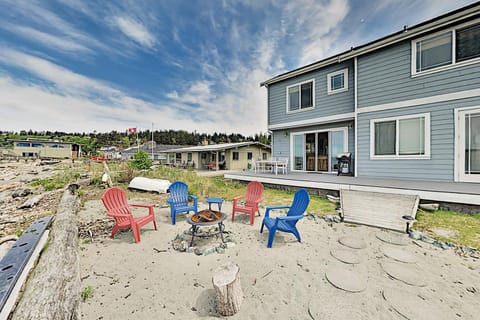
x=132, y=130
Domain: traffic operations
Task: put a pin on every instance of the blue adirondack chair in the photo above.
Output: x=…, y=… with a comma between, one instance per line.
x=286, y=223
x=178, y=200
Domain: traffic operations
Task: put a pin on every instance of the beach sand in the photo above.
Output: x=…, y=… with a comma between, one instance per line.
x=151, y=280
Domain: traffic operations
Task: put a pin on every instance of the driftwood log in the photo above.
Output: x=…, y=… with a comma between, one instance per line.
x=53, y=290
x=228, y=291
x=30, y=203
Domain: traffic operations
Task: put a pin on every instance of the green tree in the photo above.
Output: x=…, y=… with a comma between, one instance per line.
x=125, y=142
x=142, y=161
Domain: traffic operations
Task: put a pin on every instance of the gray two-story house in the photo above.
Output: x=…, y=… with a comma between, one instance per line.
x=406, y=106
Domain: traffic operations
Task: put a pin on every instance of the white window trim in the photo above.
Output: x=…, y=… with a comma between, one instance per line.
x=398, y=156
x=345, y=81
x=454, y=63
x=299, y=84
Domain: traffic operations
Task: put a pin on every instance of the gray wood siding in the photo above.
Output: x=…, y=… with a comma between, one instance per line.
x=385, y=77
x=440, y=166
x=281, y=142
x=325, y=105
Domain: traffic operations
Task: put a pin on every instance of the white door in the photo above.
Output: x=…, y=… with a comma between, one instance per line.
x=469, y=145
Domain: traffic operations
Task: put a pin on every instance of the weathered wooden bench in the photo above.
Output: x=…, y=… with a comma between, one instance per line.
x=384, y=210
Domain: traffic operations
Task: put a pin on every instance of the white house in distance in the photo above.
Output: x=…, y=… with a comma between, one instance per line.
x=229, y=156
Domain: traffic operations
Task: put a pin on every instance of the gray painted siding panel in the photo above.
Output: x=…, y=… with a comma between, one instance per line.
x=325, y=105
x=384, y=77
x=439, y=167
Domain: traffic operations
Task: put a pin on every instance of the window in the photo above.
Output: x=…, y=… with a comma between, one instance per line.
x=189, y=156
x=337, y=81
x=300, y=96
x=401, y=137
x=468, y=43
x=447, y=48
x=249, y=155
x=23, y=144
x=37, y=145
x=235, y=155
x=264, y=156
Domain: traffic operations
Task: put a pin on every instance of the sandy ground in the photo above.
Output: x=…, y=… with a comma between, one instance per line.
x=150, y=280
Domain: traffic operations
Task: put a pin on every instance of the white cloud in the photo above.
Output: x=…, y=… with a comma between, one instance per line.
x=48, y=40
x=135, y=30
x=314, y=23
x=72, y=102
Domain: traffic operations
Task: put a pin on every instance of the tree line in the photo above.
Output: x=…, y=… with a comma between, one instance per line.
x=93, y=141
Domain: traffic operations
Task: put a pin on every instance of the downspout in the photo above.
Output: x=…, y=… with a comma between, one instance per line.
x=355, y=124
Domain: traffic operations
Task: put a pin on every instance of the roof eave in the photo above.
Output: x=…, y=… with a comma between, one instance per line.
x=448, y=18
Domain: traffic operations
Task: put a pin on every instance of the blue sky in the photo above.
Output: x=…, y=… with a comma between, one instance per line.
x=80, y=66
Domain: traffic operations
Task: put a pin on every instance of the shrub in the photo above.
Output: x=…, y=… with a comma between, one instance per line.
x=142, y=161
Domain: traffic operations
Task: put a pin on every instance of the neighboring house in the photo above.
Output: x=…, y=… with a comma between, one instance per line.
x=46, y=148
x=111, y=152
x=230, y=156
x=156, y=154
x=406, y=106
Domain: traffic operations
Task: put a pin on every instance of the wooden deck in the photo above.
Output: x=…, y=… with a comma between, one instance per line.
x=454, y=192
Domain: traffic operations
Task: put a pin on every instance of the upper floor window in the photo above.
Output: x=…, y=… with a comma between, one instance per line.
x=249, y=155
x=235, y=155
x=445, y=49
x=337, y=81
x=400, y=137
x=300, y=96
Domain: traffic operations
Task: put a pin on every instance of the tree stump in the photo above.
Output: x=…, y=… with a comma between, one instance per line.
x=228, y=290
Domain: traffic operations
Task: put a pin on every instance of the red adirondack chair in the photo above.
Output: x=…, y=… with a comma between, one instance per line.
x=252, y=200
x=115, y=200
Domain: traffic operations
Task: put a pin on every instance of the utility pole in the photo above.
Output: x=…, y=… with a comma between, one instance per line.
x=152, y=141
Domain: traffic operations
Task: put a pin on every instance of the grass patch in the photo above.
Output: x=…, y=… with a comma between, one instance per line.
x=465, y=228
x=87, y=293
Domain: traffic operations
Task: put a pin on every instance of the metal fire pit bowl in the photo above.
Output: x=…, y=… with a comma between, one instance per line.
x=206, y=218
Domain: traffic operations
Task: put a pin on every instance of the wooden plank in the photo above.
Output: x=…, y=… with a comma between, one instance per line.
x=14, y=262
x=12, y=298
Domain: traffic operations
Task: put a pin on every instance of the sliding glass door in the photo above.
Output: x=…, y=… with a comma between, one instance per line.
x=469, y=145
x=317, y=151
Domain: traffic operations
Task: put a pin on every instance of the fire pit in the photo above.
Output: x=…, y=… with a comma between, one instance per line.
x=206, y=218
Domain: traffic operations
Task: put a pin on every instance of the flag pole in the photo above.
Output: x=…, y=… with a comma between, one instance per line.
x=152, y=141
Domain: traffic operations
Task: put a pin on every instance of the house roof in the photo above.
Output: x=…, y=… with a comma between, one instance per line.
x=218, y=147
x=41, y=141
x=467, y=12
x=157, y=149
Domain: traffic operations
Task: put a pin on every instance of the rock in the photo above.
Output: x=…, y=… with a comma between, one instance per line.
x=21, y=193
x=190, y=249
x=429, y=206
x=209, y=251
x=415, y=235
x=220, y=250
x=198, y=251
x=231, y=245
x=440, y=244
x=183, y=246
x=332, y=218
x=427, y=239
